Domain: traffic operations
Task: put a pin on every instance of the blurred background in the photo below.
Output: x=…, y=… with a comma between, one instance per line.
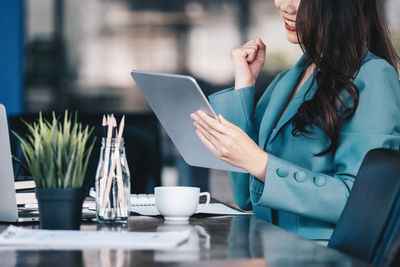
x=77, y=55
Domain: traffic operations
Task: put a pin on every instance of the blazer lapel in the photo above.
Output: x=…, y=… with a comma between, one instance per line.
x=278, y=101
x=294, y=105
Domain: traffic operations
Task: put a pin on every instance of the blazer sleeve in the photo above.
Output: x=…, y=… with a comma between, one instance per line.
x=376, y=124
x=237, y=107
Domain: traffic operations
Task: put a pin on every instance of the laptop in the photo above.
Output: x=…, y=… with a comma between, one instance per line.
x=173, y=98
x=8, y=208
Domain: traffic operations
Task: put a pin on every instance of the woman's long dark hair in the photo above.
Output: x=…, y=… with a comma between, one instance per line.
x=335, y=35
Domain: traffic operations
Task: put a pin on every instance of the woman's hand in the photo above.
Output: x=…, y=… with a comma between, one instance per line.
x=230, y=143
x=248, y=61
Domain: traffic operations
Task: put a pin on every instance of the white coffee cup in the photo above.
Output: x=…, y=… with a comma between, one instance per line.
x=178, y=202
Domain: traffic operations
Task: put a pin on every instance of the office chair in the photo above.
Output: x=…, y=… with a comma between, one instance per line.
x=142, y=145
x=369, y=227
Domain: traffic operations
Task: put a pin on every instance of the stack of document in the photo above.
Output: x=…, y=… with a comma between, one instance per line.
x=66, y=239
x=24, y=195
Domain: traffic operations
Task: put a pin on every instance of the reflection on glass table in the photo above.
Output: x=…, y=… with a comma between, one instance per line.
x=199, y=240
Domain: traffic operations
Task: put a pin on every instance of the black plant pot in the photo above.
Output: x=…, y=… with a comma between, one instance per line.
x=60, y=208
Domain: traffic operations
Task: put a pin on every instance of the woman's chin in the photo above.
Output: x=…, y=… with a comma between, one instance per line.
x=292, y=37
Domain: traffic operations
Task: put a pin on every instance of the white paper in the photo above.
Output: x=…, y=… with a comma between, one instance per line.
x=145, y=210
x=21, y=185
x=220, y=209
x=143, y=199
x=68, y=239
x=26, y=198
x=145, y=205
x=212, y=208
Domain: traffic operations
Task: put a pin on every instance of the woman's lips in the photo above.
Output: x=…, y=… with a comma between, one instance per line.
x=290, y=25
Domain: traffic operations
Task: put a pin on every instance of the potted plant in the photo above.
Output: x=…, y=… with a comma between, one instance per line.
x=57, y=154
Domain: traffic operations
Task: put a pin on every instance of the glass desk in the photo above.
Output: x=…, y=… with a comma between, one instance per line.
x=214, y=241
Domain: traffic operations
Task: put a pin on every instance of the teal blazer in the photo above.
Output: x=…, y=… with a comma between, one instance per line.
x=309, y=192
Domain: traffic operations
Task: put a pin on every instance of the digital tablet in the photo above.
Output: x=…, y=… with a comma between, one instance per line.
x=173, y=98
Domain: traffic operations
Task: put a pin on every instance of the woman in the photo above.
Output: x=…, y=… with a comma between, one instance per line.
x=306, y=139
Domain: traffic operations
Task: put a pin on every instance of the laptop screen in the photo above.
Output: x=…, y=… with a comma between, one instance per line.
x=8, y=207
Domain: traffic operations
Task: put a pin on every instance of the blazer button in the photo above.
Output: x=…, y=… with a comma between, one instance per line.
x=282, y=172
x=300, y=176
x=320, y=181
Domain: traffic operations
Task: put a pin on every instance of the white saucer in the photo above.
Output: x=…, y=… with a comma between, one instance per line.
x=176, y=218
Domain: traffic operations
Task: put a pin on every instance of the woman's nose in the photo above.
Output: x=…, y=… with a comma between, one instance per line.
x=289, y=6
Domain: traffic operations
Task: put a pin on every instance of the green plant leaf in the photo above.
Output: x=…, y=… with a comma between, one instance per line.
x=57, y=154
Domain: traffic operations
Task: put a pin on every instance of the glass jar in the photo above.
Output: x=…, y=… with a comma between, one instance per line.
x=112, y=183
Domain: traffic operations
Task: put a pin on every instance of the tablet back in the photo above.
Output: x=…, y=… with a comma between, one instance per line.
x=173, y=98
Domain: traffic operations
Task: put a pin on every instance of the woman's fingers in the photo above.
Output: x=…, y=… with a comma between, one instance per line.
x=220, y=135
x=248, y=61
x=261, y=51
x=259, y=43
x=250, y=42
x=200, y=123
x=210, y=123
x=206, y=132
x=205, y=141
x=213, y=127
x=227, y=123
x=251, y=54
x=214, y=144
x=247, y=52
